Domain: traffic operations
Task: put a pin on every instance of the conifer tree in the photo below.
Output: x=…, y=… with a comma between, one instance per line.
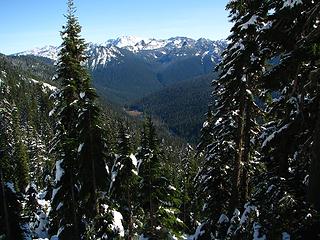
x=290, y=137
x=188, y=169
x=206, y=131
x=66, y=213
x=230, y=154
x=158, y=196
x=81, y=174
x=265, y=31
x=125, y=179
x=11, y=221
x=20, y=154
x=92, y=147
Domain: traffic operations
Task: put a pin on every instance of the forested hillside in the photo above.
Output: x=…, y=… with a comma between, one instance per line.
x=128, y=68
x=72, y=167
x=131, y=72
x=181, y=106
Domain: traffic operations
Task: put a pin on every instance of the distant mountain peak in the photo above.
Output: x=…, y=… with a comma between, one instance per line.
x=47, y=51
x=115, y=50
x=124, y=41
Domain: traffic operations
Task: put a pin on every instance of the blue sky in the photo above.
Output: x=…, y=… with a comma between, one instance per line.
x=26, y=24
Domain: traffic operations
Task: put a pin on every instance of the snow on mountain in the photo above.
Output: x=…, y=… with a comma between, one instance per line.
x=45, y=86
x=50, y=52
x=125, y=41
x=152, y=44
x=114, y=49
x=100, y=55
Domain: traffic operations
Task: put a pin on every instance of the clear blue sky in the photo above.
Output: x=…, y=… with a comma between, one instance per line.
x=26, y=24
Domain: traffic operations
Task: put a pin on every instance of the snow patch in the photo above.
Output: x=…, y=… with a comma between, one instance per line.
x=45, y=86
x=117, y=223
x=142, y=237
x=285, y=236
x=50, y=52
x=199, y=232
x=256, y=232
x=251, y=21
x=134, y=160
x=10, y=186
x=273, y=135
x=80, y=147
x=82, y=94
x=291, y=3
x=59, y=170
x=52, y=112
x=223, y=219
x=248, y=210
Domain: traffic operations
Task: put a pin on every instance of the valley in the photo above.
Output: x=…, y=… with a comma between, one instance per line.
x=128, y=71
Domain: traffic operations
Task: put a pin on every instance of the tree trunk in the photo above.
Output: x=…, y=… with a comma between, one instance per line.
x=5, y=206
x=235, y=195
x=75, y=217
x=130, y=223
x=314, y=179
x=246, y=155
x=93, y=168
x=150, y=201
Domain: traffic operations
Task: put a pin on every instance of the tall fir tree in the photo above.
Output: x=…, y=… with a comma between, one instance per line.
x=20, y=154
x=65, y=198
x=290, y=137
x=92, y=148
x=11, y=222
x=187, y=171
x=81, y=171
x=125, y=179
x=158, y=196
x=231, y=156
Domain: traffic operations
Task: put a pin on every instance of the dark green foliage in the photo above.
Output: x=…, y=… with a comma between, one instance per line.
x=91, y=152
x=12, y=226
x=125, y=82
x=20, y=155
x=32, y=104
x=180, y=106
x=190, y=206
x=100, y=226
x=22, y=167
x=259, y=146
x=290, y=152
x=124, y=176
x=81, y=174
x=158, y=196
x=206, y=131
x=72, y=76
x=34, y=67
x=280, y=189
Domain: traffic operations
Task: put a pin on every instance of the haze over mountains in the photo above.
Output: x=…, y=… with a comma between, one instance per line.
x=134, y=72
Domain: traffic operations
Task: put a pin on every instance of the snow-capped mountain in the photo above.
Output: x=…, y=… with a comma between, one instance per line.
x=50, y=52
x=136, y=44
x=152, y=49
x=128, y=68
x=125, y=41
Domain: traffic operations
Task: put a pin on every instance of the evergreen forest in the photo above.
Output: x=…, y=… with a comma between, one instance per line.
x=74, y=167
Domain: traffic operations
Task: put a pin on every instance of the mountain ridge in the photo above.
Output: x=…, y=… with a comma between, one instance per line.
x=113, y=47
x=128, y=68
x=167, y=78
